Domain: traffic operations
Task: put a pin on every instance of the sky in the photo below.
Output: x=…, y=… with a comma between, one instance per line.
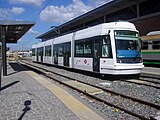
x=45, y=13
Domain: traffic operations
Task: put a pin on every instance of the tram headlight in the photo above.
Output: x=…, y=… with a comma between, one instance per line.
x=119, y=61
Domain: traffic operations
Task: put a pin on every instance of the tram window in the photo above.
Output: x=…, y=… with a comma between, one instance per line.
x=48, y=50
x=150, y=45
x=40, y=51
x=67, y=49
x=55, y=50
x=79, y=48
x=144, y=45
x=87, y=48
x=60, y=52
x=156, y=45
x=33, y=52
x=106, y=47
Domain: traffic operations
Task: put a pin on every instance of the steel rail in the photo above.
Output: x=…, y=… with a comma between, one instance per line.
x=157, y=87
x=155, y=82
x=150, y=76
x=92, y=96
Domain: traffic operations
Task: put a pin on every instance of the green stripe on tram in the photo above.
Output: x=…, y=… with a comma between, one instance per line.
x=152, y=62
x=151, y=52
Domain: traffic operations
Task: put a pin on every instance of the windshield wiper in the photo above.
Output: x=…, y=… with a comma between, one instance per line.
x=137, y=55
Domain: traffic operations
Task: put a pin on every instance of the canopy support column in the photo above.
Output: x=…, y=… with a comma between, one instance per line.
x=4, y=65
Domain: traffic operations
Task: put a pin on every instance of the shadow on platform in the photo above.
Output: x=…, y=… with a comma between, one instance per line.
x=17, y=68
x=27, y=103
x=8, y=85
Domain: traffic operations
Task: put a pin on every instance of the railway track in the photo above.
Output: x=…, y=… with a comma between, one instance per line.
x=141, y=81
x=50, y=73
x=150, y=75
x=155, y=81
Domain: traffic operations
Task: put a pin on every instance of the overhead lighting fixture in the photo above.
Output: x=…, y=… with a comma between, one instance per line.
x=19, y=28
x=16, y=32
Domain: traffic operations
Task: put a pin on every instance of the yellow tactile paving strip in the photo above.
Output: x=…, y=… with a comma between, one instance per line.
x=151, y=73
x=138, y=81
x=79, y=109
x=151, y=70
x=84, y=87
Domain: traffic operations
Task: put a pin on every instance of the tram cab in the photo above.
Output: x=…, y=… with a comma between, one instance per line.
x=126, y=51
x=109, y=48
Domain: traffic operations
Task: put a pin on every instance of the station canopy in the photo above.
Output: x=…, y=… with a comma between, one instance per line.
x=14, y=30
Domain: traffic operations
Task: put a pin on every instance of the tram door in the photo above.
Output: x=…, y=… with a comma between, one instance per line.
x=55, y=54
x=41, y=54
x=37, y=55
x=96, y=55
x=66, y=53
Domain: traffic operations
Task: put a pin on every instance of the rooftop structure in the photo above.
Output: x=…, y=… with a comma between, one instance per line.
x=125, y=10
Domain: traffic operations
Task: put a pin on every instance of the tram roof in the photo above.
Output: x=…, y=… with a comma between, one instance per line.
x=151, y=37
x=105, y=9
x=15, y=29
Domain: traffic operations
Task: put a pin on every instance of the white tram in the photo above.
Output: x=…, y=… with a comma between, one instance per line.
x=108, y=48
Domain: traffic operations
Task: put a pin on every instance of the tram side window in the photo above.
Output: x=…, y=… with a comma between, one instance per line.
x=79, y=48
x=67, y=49
x=87, y=48
x=48, y=50
x=60, y=51
x=156, y=44
x=83, y=48
x=40, y=51
x=0, y=56
x=33, y=52
x=106, y=47
x=150, y=45
x=55, y=51
x=144, y=45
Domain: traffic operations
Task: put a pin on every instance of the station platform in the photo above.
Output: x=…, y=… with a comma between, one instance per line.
x=151, y=72
x=26, y=95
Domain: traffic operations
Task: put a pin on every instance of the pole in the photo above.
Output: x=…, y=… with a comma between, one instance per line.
x=4, y=65
x=0, y=61
x=137, y=9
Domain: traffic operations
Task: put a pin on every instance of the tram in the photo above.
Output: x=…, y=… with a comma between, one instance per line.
x=109, y=48
x=151, y=49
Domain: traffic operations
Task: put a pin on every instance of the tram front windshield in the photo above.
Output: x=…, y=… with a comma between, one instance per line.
x=127, y=46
